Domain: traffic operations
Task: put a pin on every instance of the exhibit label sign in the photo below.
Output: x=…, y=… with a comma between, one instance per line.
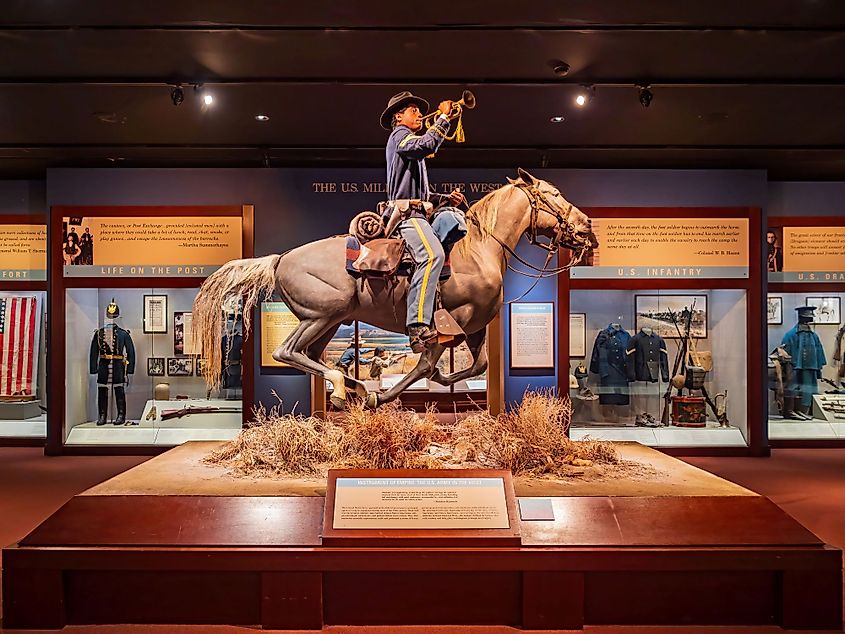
x=23, y=252
x=159, y=246
x=532, y=335
x=420, y=503
x=577, y=334
x=668, y=248
x=277, y=322
x=810, y=254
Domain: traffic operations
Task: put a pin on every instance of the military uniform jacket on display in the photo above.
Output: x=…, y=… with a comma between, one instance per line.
x=648, y=359
x=112, y=359
x=407, y=178
x=610, y=361
x=805, y=348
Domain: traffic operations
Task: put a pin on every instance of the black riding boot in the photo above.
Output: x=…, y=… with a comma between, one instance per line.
x=120, y=400
x=789, y=408
x=102, y=405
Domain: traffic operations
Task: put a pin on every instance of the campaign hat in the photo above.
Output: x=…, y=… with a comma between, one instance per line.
x=399, y=101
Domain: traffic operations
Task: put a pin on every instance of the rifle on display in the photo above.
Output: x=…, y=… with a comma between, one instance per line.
x=190, y=409
x=680, y=358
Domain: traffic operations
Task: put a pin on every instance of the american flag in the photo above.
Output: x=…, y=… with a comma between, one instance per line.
x=18, y=321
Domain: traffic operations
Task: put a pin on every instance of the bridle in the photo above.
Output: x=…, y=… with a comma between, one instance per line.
x=564, y=234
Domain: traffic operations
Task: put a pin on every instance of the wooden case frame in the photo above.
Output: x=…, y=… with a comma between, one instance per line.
x=30, y=286
x=754, y=286
x=777, y=223
x=58, y=284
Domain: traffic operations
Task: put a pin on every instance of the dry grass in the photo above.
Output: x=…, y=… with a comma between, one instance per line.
x=275, y=445
x=530, y=441
x=387, y=438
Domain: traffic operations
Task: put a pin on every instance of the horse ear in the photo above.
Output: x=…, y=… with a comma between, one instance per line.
x=512, y=181
x=526, y=176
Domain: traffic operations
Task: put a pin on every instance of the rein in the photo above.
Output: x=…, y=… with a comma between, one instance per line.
x=539, y=203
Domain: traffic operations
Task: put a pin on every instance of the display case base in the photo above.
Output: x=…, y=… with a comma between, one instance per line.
x=672, y=436
x=661, y=559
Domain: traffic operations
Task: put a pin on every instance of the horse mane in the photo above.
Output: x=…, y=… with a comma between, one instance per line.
x=483, y=215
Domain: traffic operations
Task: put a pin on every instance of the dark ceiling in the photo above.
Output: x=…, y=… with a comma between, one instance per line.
x=739, y=84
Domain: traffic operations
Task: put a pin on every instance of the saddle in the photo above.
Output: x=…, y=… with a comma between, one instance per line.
x=370, y=254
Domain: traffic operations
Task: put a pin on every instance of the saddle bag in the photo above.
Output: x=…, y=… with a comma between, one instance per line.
x=380, y=257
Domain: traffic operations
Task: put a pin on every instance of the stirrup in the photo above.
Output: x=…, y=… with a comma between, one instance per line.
x=449, y=333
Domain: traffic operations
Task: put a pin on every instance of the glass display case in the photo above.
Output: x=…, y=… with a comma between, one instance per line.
x=133, y=376
x=805, y=369
x=665, y=368
x=23, y=365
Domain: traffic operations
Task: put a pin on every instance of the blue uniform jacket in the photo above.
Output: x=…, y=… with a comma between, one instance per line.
x=100, y=345
x=405, y=152
x=805, y=348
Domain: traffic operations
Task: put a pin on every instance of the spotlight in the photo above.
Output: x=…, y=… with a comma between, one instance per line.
x=560, y=68
x=207, y=97
x=177, y=95
x=262, y=117
x=646, y=96
x=557, y=119
x=584, y=96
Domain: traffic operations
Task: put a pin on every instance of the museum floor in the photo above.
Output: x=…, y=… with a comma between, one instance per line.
x=809, y=484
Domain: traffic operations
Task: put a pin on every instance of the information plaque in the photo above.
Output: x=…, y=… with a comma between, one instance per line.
x=407, y=507
x=532, y=340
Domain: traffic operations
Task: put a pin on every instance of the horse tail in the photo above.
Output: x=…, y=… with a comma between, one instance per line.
x=251, y=280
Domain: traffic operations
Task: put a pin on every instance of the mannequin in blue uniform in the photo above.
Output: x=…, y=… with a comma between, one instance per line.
x=610, y=361
x=808, y=359
x=112, y=359
x=429, y=233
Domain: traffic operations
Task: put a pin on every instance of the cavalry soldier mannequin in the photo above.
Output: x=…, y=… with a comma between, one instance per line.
x=803, y=345
x=410, y=197
x=112, y=359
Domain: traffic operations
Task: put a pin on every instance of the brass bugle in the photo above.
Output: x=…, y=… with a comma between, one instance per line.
x=467, y=101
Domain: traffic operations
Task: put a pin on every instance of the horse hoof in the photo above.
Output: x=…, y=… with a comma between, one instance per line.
x=337, y=402
x=372, y=400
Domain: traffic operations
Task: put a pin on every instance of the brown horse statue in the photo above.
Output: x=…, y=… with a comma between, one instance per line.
x=312, y=280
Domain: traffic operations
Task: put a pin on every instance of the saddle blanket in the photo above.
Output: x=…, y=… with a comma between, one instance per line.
x=406, y=269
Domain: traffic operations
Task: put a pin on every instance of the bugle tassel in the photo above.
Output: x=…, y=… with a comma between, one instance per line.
x=459, y=131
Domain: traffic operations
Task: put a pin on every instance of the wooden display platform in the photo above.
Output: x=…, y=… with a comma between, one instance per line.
x=731, y=558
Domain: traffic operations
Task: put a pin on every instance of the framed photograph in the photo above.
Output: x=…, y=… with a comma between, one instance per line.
x=655, y=312
x=155, y=366
x=577, y=334
x=774, y=310
x=180, y=366
x=199, y=366
x=774, y=250
x=532, y=341
x=828, y=310
x=155, y=314
x=182, y=337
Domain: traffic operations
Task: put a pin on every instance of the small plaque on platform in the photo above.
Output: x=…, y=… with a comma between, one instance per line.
x=430, y=506
x=536, y=509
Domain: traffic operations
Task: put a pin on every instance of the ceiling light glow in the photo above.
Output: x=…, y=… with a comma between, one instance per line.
x=207, y=99
x=585, y=95
x=262, y=117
